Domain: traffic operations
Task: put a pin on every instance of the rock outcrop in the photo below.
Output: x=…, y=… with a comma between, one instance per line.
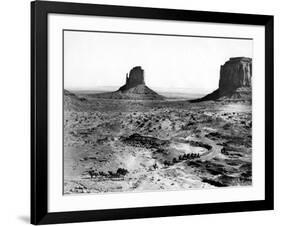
x=235, y=80
x=72, y=102
x=235, y=73
x=134, y=88
x=135, y=78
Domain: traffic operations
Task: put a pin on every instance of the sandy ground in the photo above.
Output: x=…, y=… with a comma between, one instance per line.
x=159, y=145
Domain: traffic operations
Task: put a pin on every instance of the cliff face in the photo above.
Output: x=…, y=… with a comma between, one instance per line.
x=235, y=80
x=235, y=73
x=135, y=78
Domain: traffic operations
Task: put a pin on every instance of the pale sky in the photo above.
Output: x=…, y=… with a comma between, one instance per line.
x=190, y=64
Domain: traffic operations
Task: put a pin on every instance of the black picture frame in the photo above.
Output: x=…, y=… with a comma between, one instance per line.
x=39, y=112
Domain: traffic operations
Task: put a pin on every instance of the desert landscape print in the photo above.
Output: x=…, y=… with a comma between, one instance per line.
x=152, y=112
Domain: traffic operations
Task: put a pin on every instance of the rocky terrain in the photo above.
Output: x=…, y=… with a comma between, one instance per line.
x=72, y=101
x=126, y=145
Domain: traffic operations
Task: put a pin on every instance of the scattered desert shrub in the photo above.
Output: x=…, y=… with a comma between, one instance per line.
x=92, y=173
x=122, y=171
x=227, y=126
x=110, y=173
x=82, y=99
x=187, y=125
x=155, y=166
x=166, y=163
x=102, y=173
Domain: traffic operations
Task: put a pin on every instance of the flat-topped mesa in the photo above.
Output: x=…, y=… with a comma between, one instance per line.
x=235, y=80
x=135, y=78
x=235, y=73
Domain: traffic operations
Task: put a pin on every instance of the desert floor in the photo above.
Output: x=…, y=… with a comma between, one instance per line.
x=156, y=145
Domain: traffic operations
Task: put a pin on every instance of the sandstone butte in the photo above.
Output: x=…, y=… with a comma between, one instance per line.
x=134, y=88
x=235, y=80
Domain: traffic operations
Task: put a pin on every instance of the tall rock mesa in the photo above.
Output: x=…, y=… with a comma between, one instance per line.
x=235, y=80
x=135, y=78
x=134, y=88
x=235, y=73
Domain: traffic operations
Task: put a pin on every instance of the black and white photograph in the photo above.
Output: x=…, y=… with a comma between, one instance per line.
x=155, y=112
x=149, y=112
